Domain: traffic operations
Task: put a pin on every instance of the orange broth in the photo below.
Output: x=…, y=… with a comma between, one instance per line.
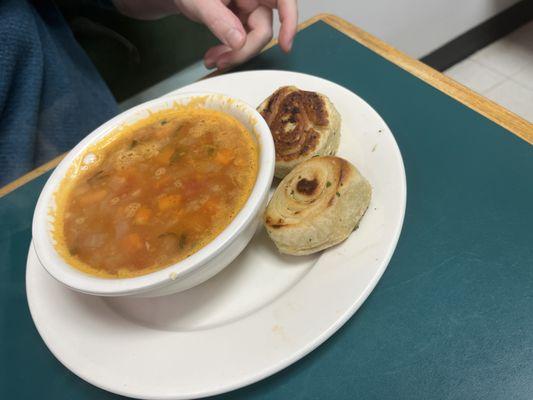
x=157, y=192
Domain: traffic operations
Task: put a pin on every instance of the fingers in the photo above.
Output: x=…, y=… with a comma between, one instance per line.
x=239, y=47
x=260, y=25
x=212, y=55
x=288, y=16
x=221, y=21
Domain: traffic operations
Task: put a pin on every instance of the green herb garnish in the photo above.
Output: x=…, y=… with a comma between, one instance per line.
x=175, y=157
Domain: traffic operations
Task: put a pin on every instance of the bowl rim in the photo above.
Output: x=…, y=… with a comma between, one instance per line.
x=77, y=280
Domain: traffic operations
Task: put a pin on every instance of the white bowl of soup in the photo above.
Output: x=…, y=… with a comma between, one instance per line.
x=158, y=199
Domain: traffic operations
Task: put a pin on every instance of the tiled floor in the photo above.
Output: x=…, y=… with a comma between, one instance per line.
x=502, y=71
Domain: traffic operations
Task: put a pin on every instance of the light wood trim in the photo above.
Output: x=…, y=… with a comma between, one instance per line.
x=31, y=175
x=464, y=95
x=478, y=103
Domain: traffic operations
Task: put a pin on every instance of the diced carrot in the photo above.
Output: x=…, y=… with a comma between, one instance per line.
x=224, y=156
x=165, y=155
x=92, y=197
x=133, y=242
x=142, y=216
x=169, y=201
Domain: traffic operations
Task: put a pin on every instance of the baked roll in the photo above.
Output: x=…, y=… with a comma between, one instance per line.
x=317, y=205
x=303, y=124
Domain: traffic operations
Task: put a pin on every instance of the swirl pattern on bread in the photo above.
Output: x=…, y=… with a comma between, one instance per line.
x=317, y=205
x=303, y=124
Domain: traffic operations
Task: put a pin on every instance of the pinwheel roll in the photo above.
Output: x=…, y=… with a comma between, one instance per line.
x=304, y=124
x=317, y=205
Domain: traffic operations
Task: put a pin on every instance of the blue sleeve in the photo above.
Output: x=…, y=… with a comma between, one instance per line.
x=51, y=95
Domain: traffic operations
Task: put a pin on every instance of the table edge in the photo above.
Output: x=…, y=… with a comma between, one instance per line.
x=484, y=106
x=489, y=109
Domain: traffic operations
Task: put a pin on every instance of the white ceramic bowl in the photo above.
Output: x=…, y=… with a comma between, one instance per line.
x=191, y=271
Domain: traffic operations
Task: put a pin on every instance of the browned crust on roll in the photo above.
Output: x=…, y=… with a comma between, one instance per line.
x=292, y=116
x=307, y=187
x=344, y=172
x=277, y=225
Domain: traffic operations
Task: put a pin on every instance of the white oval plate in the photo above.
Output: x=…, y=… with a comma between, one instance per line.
x=263, y=312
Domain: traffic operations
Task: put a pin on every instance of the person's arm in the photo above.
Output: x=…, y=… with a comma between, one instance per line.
x=243, y=26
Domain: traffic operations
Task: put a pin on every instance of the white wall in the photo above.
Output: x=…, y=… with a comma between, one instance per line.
x=416, y=27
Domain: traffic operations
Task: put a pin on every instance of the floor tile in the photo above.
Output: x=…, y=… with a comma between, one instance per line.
x=523, y=35
x=474, y=75
x=525, y=76
x=510, y=54
x=514, y=97
x=502, y=71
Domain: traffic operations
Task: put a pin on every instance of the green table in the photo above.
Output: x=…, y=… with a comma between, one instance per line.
x=452, y=318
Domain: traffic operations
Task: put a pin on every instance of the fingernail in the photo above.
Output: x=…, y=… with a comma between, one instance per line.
x=234, y=38
x=209, y=63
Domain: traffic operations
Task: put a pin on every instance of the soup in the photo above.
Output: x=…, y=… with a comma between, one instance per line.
x=155, y=193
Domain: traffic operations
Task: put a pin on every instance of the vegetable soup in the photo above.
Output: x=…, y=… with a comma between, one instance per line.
x=154, y=193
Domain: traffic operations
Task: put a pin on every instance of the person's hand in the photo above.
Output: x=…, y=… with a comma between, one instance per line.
x=243, y=26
